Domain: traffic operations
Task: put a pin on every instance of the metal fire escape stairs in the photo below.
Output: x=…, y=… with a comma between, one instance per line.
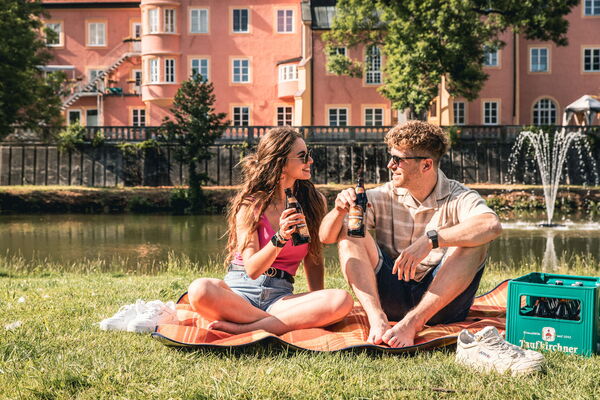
x=91, y=87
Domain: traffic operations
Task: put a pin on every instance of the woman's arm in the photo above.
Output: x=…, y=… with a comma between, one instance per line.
x=257, y=260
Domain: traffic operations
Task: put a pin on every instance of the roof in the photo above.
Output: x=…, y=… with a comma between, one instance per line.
x=90, y=4
x=584, y=103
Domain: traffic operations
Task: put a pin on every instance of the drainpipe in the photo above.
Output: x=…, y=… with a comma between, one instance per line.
x=514, y=110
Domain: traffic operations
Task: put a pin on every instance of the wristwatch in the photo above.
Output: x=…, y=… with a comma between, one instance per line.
x=433, y=236
x=277, y=240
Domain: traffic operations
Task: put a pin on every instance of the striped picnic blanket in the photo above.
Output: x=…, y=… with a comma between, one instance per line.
x=351, y=333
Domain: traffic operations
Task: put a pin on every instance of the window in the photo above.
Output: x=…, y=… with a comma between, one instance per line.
x=544, y=112
x=338, y=51
x=96, y=34
x=154, y=70
x=138, y=77
x=591, y=7
x=169, y=20
x=199, y=20
x=459, y=112
x=137, y=30
x=284, y=116
x=241, y=116
x=170, y=70
x=285, y=21
x=433, y=108
x=373, y=75
x=591, y=60
x=374, y=116
x=241, y=68
x=138, y=117
x=153, y=20
x=74, y=116
x=490, y=112
x=490, y=57
x=200, y=66
x=338, y=117
x=92, y=75
x=288, y=73
x=240, y=20
x=56, y=39
x=538, y=60
x=91, y=117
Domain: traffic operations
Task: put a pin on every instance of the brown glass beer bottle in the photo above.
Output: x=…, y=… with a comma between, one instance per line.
x=301, y=234
x=358, y=212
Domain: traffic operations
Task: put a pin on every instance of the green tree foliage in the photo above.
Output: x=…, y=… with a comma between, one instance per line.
x=194, y=128
x=424, y=40
x=28, y=98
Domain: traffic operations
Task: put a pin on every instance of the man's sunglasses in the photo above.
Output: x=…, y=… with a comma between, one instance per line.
x=305, y=157
x=398, y=159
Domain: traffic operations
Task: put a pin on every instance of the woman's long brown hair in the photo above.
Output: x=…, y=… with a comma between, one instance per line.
x=261, y=172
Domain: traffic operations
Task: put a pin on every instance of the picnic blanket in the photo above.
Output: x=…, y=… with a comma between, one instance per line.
x=350, y=333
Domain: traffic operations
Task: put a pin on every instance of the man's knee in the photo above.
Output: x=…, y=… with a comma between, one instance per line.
x=471, y=256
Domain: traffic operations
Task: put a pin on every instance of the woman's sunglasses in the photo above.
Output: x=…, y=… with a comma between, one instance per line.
x=307, y=156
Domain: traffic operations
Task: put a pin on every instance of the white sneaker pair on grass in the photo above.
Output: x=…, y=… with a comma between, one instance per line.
x=487, y=351
x=141, y=317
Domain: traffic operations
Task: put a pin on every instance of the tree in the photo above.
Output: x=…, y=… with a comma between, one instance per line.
x=28, y=98
x=425, y=40
x=194, y=128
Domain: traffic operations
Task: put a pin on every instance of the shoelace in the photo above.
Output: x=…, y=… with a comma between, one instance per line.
x=503, y=346
x=121, y=312
x=154, y=309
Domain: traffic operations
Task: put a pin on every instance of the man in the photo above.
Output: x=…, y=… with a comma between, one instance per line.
x=431, y=243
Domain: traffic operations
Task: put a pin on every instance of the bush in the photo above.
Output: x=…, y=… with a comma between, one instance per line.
x=71, y=138
x=178, y=201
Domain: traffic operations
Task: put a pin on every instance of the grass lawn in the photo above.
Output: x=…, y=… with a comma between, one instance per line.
x=59, y=353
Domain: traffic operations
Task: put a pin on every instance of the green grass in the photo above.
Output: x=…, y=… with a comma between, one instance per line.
x=59, y=353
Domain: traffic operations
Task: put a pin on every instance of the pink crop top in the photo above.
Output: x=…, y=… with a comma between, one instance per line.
x=289, y=257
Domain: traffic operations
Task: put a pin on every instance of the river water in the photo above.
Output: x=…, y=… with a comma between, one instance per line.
x=139, y=240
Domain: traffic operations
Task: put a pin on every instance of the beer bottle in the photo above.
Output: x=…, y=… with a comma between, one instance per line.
x=301, y=234
x=358, y=212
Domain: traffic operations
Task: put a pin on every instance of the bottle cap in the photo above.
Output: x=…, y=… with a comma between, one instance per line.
x=577, y=284
x=557, y=282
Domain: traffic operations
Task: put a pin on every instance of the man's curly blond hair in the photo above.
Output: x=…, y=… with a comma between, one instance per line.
x=419, y=137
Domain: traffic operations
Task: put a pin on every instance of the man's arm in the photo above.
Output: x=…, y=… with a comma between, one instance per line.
x=473, y=232
x=333, y=222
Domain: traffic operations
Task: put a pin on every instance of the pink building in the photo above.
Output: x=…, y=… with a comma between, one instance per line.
x=126, y=60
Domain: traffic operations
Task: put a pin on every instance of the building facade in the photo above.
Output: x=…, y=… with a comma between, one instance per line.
x=126, y=59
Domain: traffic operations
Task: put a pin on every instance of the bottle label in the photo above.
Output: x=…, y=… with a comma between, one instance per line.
x=303, y=230
x=355, y=218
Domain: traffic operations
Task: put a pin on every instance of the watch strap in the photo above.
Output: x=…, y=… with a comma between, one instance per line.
x=433, y=236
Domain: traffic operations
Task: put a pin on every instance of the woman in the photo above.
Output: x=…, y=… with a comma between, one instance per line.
x=257, y=290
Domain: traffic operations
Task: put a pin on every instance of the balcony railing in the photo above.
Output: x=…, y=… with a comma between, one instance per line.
x=319, y=134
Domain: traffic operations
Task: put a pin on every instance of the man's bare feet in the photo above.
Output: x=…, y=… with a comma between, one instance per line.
x=401, y=335
x=377, y=330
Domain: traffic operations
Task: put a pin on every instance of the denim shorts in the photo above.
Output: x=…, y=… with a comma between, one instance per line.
x=261, y=292
x=399, y=297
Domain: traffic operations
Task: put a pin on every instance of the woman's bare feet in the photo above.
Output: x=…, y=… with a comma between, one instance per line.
x=229, y=327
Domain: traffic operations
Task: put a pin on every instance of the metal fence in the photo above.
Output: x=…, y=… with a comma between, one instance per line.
x=479, y=154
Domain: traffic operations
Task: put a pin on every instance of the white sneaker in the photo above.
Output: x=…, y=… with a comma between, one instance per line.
x=119, y=321
x=156, y=312
x=487, y=351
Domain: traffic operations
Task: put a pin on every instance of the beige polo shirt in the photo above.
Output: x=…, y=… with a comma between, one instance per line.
x=399, y=220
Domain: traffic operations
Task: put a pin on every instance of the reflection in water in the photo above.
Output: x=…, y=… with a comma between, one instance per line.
x=146, y=240
x=550, y=260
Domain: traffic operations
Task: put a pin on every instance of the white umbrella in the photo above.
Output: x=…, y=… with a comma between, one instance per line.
x=586, y=105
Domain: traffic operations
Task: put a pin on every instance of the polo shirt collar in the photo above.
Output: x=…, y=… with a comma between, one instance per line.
x=439, y=193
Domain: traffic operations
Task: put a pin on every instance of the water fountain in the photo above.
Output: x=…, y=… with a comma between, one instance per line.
x=550, y=153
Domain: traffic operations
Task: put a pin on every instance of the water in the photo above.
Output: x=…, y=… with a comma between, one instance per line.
x=144, y=240
x=550, y=152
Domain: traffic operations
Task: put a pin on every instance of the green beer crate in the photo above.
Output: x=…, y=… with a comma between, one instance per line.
x=554, y=312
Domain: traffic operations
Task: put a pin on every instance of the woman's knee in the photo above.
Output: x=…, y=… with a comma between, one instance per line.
x=340, y=301
x=203, y=290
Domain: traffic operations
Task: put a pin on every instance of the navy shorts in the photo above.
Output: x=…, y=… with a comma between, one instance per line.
x=399, y=297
